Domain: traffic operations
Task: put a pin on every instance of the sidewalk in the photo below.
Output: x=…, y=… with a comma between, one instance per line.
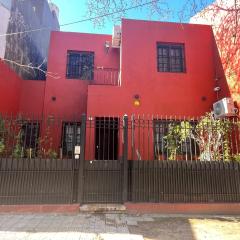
x=118, y=226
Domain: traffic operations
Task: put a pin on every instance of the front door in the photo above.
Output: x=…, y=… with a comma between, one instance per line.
x=103, y=175
x=106, y=138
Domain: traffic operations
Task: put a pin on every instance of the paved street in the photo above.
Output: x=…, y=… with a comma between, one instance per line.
x=117, y=226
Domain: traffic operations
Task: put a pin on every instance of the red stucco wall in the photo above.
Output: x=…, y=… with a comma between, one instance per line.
x=31, y=98
x=160, y=93
x=71, y=94
x=10, y=86
x=164, y=94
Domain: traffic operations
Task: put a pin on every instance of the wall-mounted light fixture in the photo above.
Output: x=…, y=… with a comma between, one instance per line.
x=217, y=89
x=54, y=98
x=136, y=100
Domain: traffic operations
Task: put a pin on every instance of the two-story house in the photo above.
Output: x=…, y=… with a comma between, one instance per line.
x=145, y=67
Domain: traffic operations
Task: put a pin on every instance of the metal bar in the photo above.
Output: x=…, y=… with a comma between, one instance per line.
x=82, y=159
x=125, y=158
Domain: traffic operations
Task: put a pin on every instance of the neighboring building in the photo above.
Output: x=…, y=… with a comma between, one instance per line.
x=223, y=16
x=157, y=68
x=5, y=9
x=30, y=47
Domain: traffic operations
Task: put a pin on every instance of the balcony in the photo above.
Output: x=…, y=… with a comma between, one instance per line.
x=106, y=76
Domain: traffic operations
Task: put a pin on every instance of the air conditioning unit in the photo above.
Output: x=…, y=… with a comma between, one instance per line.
x=116, y=37
x=224, y=108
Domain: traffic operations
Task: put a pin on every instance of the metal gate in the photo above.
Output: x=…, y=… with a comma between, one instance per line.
x=102, y=181
x=103, y=160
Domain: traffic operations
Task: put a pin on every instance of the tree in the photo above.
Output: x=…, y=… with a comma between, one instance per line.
x=224, y=16
x=105, y=10
x=31, y=68
x=101, y=11
x=212, y=136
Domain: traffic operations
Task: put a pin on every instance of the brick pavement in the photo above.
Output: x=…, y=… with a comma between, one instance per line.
x=117, y=227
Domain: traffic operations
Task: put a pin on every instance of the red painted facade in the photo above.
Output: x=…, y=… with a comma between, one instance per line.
x=189, y=93
x=72, y=94
x=10, y=90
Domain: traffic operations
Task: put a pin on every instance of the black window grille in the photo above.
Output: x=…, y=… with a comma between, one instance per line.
x=170, y=57
x=160, y=131
x=70, y=137
x=188, y=147
x=80, y=65
x=30, y=133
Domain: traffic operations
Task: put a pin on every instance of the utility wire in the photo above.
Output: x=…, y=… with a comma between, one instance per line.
x=83, y=20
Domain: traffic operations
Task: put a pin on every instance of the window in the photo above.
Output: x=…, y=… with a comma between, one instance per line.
x=30, y=135
x=80, y=65
x=160, y=130
x=170, y=57
x=188, y=148
x=70, y=137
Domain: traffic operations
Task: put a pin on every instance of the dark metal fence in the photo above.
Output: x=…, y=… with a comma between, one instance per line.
x=104, y=159
x=189, y=139
x=37, y=162
x=183, y=181
x=103, y=181
x=36, y=181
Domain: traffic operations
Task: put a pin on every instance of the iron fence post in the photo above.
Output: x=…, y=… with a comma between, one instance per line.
x=82, y=159
x=125, y=158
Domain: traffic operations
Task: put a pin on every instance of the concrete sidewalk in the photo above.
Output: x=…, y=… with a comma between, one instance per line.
x=118, y=227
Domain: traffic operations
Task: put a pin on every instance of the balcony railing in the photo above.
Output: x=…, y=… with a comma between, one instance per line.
x=106, y=76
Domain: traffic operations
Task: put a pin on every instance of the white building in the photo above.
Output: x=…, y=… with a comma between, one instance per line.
x=5, y=12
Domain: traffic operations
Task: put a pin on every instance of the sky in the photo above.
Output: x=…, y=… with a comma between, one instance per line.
x=74, y=10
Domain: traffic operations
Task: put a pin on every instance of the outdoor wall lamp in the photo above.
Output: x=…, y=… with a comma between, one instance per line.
x=54, y=98
x=217, y=89
x=136, y=100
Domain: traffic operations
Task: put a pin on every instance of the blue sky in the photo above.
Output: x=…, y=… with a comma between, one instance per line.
x=73, y=10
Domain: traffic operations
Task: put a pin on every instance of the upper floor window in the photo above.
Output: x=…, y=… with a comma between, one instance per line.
x=80, y=65
x=170, y=57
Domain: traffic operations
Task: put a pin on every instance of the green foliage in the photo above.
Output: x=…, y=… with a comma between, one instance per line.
x=1, y=124
x=2, y=146
x=51, y=154
x=46, y=142
x=177, y=134
x=30, y=153
x=236, y=158
x=211, y=135
x=18, y=149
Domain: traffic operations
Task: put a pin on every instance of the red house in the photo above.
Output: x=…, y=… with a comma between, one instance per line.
x=146, y=67
x=119, y=99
